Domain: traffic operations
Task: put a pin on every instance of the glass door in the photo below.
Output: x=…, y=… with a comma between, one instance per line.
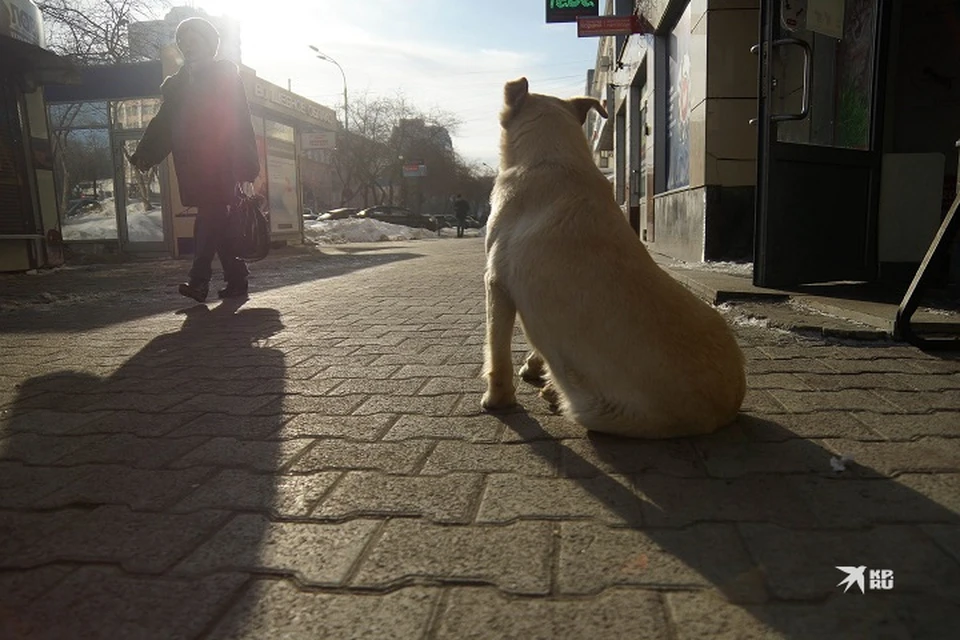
x=819, y=135
x=143, y=227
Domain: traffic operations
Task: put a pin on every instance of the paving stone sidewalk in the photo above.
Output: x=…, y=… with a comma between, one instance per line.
x=313, y=464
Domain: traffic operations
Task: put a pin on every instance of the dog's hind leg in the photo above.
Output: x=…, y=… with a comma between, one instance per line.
x=550, y=393
x=534, y=370
x=498, y=362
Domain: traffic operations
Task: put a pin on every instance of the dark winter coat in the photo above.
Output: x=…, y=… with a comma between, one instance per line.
x=205, y=122
x=461, y=208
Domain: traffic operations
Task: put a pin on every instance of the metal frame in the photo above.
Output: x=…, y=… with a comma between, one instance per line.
x=942, y=242
x=767, y=128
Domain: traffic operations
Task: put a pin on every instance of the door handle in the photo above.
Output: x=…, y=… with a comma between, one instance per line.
x=807, y=78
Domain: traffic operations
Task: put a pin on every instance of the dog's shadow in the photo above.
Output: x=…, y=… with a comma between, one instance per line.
x=760, y=520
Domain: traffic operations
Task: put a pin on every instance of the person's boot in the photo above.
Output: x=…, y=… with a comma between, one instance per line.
x=233, y=290
x=195, y=289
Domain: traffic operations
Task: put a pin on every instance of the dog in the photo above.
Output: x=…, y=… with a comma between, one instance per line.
x=621, y=347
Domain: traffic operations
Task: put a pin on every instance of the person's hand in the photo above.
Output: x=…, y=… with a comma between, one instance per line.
x=138, y=162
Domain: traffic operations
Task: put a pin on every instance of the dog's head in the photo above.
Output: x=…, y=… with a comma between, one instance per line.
x=524, y=112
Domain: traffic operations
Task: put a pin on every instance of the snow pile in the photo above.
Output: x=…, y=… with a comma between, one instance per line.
x=143, y=225
x=369, y=230
x=730, y=268
x=101, y=223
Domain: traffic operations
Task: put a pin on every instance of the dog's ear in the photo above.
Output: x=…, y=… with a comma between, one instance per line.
x=515, y=91
x=582, y=106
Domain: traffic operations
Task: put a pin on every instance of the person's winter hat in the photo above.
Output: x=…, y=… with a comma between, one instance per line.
x=207, y=32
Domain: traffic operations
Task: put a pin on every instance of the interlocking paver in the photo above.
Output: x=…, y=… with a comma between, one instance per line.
x=48, y=421
x=315, y=463
x=100, y=602
x=316, y=425
x=447, y=498
x=617, y=613
x=801, y=564
x=139, y=542
x=479, y=429
x=515, y=557
x=287, y=496
x=392, y=457
x=594, y=557
x=888, y=458
x=262, y=455
x=141, y=489
x=696, y=615
x=535, y=459
x=278, y=609
x=316, y=553
x=607, y=498
x=37, y=449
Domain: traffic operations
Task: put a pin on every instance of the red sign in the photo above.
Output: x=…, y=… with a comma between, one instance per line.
x=612, y=25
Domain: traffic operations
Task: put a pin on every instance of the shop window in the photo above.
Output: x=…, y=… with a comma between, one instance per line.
x=78, y=115
x=678, y=103
x=134, y=114
x=83, y=169
x=841, y=92
x=278, y=131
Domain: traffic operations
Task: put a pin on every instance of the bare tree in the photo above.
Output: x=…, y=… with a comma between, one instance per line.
x=91, y=32
x=385, y=132
x=88, y=32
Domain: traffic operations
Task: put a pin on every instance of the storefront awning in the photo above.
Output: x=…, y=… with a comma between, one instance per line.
x=44, y=66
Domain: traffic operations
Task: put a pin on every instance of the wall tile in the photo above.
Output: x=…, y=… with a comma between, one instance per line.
x=730, y=136
x=698, y=145
x=731, y=68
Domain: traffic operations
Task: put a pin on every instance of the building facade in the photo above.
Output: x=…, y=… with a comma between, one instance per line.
x=109, y=206
x=29, y=215
x=815, y=138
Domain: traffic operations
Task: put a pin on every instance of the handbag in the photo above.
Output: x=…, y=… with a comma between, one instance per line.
x=251, y=226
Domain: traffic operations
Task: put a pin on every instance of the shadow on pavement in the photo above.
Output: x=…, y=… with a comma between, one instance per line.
x=760, y=533
x=87, y=298
x=164, y=468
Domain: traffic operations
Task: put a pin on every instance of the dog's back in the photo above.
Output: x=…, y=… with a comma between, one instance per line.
x=630, y=350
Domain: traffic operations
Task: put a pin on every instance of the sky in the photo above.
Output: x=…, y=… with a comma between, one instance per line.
x=454, y=55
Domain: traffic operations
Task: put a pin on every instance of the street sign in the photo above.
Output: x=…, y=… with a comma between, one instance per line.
x=612, y=26
x=414, y=170
x=318, y=140
x=569, y=10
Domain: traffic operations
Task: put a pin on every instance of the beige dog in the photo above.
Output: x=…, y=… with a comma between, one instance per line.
x=624, y=348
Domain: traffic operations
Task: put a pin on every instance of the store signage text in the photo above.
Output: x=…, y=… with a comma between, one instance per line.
x=612, y=26
x=570, y=10
x=24, y=21
x=293, y=102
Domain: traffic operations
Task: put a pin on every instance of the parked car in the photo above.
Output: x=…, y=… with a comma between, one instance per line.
x=83, y=205
x=341, y=213
x=399, y=215
x=450, y=220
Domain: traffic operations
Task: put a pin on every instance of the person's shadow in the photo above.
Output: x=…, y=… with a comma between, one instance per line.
x=743, y=531
x=138, y=499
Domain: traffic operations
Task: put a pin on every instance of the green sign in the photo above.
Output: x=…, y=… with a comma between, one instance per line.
x=568, y=10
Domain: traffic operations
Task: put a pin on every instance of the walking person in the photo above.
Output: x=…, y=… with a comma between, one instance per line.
x=205, y=122
x=460, y=209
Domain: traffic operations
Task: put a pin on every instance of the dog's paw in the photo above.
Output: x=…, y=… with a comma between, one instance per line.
x=532, y=375
x=549, y=393
x=498, y=400
x=534, y=370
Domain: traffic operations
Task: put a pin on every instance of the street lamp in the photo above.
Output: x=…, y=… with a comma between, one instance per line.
x=346, y=112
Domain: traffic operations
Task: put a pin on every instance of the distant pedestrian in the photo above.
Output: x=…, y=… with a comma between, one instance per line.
x=461, y=208
x=205, y=122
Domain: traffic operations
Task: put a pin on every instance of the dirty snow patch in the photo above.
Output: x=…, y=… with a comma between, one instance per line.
x=360, y=230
